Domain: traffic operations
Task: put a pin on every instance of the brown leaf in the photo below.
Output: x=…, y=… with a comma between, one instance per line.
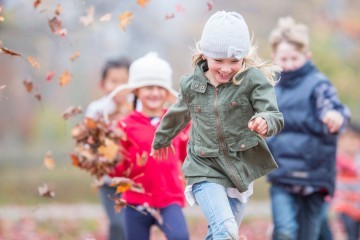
x=38, y=96
x=142, y=3
x=28, y=84
x=75, y=160
x=56, y=27
x=71, y=111
x=8, y=52
x=65, y=78
x=45, y=191
x=90, y=123
x=75, y=55
x=33, y=62
x=49, y=76
x=37, y=3
x=2, y=87
x=125, y=19
x=58, y=10
x=110, y=150
x=49, y=161
x=89, y=18
x=169, y=16
x=106, y=17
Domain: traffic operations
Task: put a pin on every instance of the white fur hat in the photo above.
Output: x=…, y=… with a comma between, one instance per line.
x=225, y=35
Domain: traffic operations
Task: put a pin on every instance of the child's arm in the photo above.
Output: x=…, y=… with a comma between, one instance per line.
x=329, y=109
x=175, y=120
x=268, y=120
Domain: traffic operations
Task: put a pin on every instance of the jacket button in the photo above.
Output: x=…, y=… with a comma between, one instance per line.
x=202, y=153
x=242, y=146
x=233, y=104
x=198, y=109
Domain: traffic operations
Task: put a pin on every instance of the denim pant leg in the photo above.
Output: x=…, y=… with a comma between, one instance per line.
x=215, y=204
x=137, y=225
x=352, y=227
x=325, y=231
x=116, y=231
x=284, y=213
x=311, y=215
x=174, y=223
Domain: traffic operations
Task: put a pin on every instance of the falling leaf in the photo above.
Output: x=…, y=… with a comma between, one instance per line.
x=33, y=62
x=71, y=111
x=141, y=159
x=56, y=27
x=45, y=191
x=180, y=8
x=75, y=55
x=2, y=87
x=49, y=161
x=119, y=203
x=49, y=76
x=37, y=3
x=106, y=17
x=169, y=16
x=125, y=19
x=110, y=150
x=28, y=85
x=65, y=78
x=38, y=96
x=8, y=52
x=210, y=5
x=142, y=3
x=58, y=10
x=89, y=18
x=75, y=160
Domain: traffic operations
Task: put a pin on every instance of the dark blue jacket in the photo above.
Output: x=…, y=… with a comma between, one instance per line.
x=304, y=150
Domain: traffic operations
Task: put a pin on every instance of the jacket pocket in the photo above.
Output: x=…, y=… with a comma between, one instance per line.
x=206, y=152
x=244, y=143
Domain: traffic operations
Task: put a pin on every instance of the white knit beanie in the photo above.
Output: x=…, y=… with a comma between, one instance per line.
x=225, y=35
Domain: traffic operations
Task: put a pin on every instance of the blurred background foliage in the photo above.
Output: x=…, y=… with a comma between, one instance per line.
x=29, y=128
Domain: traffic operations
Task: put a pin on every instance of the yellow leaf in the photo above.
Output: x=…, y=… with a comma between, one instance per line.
x=75, y=55
x=33, y=62
x=65, y=78
x=142, y=3
x=123, y=187
x=125, y=19
x=110, y=150
x=49, y=161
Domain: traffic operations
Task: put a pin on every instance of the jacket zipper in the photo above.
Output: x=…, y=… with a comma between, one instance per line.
x=222, y=140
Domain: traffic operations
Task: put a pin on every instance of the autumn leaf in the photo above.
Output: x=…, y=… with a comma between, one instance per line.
x=8, y=52
x=89, y=18
x=58, y=10
x=49, y=76
x=45, y=191
x=110, y=150
x=56, y=27
x=71, y=111
x=142, y=3
x=125, y=19
x=180, y=8
x=75, y=160
x=33, y=62
x=65, y=78
x=210, y=5
x=38, y=96
x=124, y=184
x=141, y=159
x=37, y=3
x=105, y=18
x=90, y=123
x=169, y=16
x=28, y=84
x=119, y=203
x=49, y=161
x=75, y=55
x=2, y=87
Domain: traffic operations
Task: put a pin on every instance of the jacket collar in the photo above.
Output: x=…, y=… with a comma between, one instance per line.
x=200, y=81
x=292, y=78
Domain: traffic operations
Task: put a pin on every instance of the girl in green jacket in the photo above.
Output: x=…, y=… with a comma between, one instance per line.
x=231, y=102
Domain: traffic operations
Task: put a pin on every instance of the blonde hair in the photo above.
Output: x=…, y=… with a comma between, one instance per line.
x=289, y=31
x=249, y=61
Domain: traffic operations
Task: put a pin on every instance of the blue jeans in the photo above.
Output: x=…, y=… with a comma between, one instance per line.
x=325, y=231
x=137, y=224
x=224, y=214
x=296, y=217
x=115, y=231
x=352, y=227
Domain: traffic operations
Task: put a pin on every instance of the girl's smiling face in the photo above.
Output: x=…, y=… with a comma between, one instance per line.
x=152, y=98
x=222, y=70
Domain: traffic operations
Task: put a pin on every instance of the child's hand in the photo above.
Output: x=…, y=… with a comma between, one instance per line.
x=333, y=121
x=162, y=153
x=258, y=125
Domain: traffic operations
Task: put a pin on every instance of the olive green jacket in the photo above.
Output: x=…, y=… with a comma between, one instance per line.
x=221, y=148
